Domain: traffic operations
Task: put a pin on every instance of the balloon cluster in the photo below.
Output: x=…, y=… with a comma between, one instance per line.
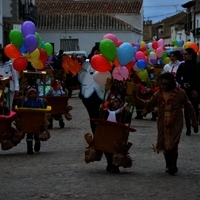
x=125, y=56
x=27, y=46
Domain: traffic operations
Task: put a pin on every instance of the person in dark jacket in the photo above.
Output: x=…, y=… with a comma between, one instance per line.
x=188, y=76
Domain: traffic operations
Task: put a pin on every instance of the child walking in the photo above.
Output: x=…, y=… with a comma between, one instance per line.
x=57, y=90
x=32, y=101
x=117, y=111
x=169, y=101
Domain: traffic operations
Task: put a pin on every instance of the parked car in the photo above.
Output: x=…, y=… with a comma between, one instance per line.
x=78, y=53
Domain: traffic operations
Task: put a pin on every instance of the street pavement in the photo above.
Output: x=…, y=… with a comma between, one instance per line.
x=59, y=172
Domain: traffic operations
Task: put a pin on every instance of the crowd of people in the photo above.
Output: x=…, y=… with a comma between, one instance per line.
x=176, y=88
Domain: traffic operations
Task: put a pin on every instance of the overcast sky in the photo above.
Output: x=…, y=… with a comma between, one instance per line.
x=157, y=10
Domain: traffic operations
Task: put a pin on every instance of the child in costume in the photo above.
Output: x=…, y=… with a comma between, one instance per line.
x=57, y=90
x=115, y=110
x=32, y=101
x=169, y=100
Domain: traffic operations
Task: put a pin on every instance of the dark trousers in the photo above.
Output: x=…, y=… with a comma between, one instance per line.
x=195, y=102
x=31, y=136
x=92, y=105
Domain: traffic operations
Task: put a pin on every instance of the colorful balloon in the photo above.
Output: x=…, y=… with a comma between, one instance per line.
x=12, y=51
x=28, y=27
x=101, y=77
x=108, y=49
x=20, y=63
x=120, y=73
x=100, y=63
x=31, y=42
x=125, y=53
x=38, y=64
x=48, y=48
x=16, y=37
x=111, y=37
x=141, y=64
x=34, y=56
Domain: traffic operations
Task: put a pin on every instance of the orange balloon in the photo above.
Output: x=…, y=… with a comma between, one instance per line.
x=12, y=51
x=116, y=62
x=194, y=46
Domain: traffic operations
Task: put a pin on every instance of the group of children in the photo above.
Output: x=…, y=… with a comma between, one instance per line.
x=31, y=99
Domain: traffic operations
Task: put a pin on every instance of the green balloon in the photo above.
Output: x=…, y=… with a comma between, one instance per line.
x=39, y=40
x=48, y=48
x=164, y=55
x=108, y=49
x=16, y=37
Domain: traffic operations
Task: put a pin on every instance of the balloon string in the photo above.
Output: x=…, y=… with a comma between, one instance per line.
x=104, y=97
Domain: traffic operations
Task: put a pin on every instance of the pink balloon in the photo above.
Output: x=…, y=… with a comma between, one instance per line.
x=111, y=37
x=120, y=73
x=139, y=55
x=159, y=52
x=161, y=43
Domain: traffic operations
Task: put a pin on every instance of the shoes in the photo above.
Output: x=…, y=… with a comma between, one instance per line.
x=115, y=169
x=153, y=119
x=173, y=170
x=37, y=146
x=196, y=129
x=167, y=169
x=61, y=123
x=50, y=126
x=112, y=168
x=138, y=117
x=109, y=168
x=68, y=116
x=188, y=132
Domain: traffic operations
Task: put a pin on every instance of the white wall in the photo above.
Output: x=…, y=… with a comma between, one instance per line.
x=133, y=19
x=86, y=39
x=197, y=26
x=1, y=23
x=7, y=8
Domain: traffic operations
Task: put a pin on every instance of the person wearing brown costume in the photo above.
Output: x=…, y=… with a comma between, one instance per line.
x=169, y=101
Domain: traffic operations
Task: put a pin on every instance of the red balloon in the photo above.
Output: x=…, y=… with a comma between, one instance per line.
x=12, y=51
x=119, y=43
x=129, y=66
x=43, y=55
x=100, y=63
x=155, y=44
x=20, y=63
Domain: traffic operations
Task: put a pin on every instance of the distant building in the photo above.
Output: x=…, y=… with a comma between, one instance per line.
x=78, y=25
x=169, y=29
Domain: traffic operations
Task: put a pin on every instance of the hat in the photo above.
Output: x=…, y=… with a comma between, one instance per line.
x=30, y=88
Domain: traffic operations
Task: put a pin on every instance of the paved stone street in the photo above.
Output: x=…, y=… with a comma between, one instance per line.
x=60, y=172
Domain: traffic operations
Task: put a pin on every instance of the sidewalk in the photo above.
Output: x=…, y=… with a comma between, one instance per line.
x=59, y=171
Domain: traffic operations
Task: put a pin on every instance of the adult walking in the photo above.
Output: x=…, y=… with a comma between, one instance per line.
x=175, y=61
x=188, y=76
x=7, y=71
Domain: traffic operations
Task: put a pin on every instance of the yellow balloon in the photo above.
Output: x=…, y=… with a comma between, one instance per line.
x=34, y=56
x=142, y=44
x=186, y=45
x=38, y=64
x=166, y=60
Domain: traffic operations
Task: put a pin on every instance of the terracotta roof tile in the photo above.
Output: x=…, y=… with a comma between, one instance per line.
x=81, y=22
x=89, y=6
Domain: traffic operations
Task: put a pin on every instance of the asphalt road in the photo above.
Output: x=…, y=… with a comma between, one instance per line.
x=59, y=171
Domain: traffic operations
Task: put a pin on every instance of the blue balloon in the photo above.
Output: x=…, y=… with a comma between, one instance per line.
x=23, y=49
x=125, y=53
x=141, y=64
